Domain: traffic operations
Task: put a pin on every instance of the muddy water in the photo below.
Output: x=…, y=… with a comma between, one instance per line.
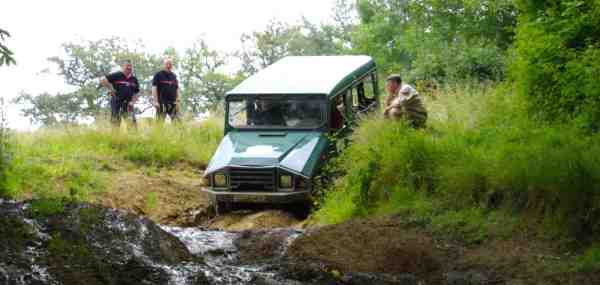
x=91, y=245
x=223, y=264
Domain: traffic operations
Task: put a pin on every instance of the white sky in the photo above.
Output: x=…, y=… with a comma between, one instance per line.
x=38, y=28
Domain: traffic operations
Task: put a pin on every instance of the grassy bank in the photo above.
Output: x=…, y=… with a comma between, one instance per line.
x=482, y=169
x=75, y=162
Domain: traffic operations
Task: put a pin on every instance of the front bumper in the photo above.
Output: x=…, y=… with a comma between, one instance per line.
x=257, y=197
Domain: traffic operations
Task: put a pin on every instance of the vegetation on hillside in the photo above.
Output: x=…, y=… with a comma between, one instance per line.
x=498, y=158
x=482, y=169
x=5, y=150
x=481, y=153
x=74, y=162
x=511, y=145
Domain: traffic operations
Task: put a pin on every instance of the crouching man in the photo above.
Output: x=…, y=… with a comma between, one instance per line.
x=404, y=103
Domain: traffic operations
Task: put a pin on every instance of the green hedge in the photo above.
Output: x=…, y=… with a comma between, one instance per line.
x=557, y=59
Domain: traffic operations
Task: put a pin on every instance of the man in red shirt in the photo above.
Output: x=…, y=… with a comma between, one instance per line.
x=123, y=88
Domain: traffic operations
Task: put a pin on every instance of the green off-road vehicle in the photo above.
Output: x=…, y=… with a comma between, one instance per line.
x=280, y=124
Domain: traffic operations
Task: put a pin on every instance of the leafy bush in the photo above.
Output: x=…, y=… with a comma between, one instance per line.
x=458, y=62
x=556, y=63
x=589, y=260
x=480, y=157
x=439, y=41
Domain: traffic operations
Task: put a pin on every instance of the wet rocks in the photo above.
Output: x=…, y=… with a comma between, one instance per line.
x=470, y=277
x=84, y=244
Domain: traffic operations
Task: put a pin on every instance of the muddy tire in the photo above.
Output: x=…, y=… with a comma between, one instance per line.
x=300, y=210
x=223, y=207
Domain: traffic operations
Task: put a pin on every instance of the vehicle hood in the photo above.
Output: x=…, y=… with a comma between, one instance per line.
x=294, y=151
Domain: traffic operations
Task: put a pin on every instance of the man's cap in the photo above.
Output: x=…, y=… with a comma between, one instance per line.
x=394, y=77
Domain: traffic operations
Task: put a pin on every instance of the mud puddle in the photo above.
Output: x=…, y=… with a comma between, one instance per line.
x=224, y=257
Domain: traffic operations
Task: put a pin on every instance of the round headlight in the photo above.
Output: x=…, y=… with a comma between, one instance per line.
x=285, y=181
x=220, y=180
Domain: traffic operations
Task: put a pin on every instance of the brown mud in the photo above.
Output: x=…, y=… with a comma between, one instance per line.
x=171, y=196
x=393, y=246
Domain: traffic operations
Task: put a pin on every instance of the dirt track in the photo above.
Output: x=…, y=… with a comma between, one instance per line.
x=171, y=196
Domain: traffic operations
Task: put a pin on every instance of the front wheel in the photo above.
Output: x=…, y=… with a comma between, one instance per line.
x=223, y=207
x=300, y=210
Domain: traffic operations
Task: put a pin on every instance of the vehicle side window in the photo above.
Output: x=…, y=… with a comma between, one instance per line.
x=370, y=87
x=348, y=101
x=364, y=98
x=338, y=113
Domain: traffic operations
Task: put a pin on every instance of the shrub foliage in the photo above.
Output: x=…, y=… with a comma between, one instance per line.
x=557, y=59
x=481, y=154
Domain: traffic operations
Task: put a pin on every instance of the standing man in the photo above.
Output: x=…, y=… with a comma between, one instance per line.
x=403, y=102
x=165, y=91
x=123, y=88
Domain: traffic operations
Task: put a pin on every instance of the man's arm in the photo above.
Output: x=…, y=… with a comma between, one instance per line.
x=177, y=98
x=388, y=101
x=106, y=84
x=136, y=92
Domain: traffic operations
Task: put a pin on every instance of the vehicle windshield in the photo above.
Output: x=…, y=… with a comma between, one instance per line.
x=261, y=112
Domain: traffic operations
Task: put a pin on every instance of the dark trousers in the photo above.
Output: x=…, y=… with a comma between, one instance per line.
x=165, y=108
x=119, y=107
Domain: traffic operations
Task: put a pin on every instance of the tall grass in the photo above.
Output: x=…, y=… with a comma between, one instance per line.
x=75, y=162
x=5, y=151
x=481, y=157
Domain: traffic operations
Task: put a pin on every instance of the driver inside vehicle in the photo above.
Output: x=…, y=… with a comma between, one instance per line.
x=268, y=112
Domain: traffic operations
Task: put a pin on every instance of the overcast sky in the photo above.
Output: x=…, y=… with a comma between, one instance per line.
x=38, y=28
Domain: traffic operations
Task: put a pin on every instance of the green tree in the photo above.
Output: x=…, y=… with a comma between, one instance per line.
x=84, y=63
x=435, y=39
x=263, y=48
x=557, y=59
x=345, y=18
x=51, y=109
x=202, y=81
x=81, y=66
x=6, y=55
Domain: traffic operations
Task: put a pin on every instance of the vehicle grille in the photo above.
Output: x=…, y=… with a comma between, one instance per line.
x=252, y=179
